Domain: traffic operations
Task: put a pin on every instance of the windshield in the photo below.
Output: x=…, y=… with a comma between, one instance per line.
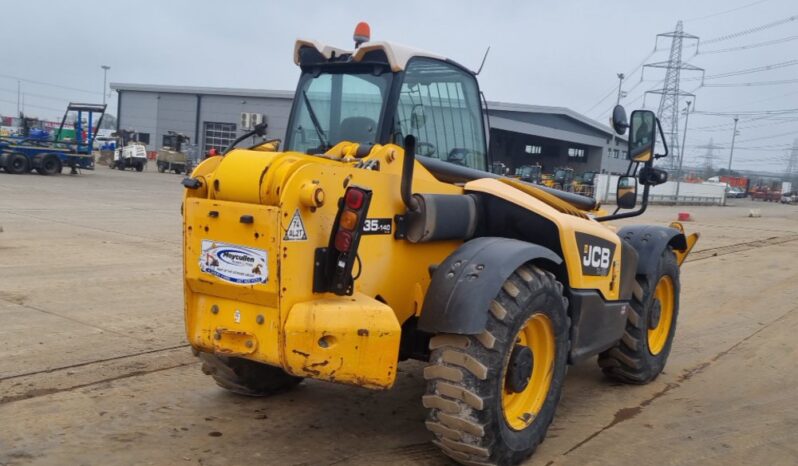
x=333, y=107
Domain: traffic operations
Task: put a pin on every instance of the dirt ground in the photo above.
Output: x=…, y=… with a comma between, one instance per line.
x=94, y=368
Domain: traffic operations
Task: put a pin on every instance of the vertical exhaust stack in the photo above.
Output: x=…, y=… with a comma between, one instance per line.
x=433, y=217
x=408, y=163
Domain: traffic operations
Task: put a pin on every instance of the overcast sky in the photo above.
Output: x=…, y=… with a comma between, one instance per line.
x=551, y=52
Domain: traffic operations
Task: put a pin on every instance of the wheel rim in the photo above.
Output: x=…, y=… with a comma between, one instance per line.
x=521, y=408
x=658, y=336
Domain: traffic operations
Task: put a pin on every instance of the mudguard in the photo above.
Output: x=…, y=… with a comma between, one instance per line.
x=465, y=283
x=650, y=241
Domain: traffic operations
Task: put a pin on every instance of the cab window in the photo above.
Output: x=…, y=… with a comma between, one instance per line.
x=439, y=104
x=333, y=107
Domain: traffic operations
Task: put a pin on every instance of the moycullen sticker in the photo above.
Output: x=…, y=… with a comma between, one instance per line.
x=234, y=264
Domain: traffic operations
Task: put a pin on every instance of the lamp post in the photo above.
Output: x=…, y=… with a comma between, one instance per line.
x=681, y=156
x=620, y=83
x=731, y=153
x=105, y=79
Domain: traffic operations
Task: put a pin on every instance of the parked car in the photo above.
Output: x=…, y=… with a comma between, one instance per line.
x=734, y=192
x=790, y=198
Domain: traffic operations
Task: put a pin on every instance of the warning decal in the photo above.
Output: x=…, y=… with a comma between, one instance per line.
x=296, y=229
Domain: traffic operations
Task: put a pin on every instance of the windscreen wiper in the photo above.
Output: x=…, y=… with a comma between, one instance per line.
x=316, y=124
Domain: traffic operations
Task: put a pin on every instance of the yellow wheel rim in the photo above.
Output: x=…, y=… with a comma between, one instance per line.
x=521, y=408
x=658, y=336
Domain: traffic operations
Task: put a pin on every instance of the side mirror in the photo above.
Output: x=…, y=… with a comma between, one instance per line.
x=619, y=121
x=626, y=192
x=642, y=135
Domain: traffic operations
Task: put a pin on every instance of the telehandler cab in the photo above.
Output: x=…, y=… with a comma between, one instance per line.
x=377, y=234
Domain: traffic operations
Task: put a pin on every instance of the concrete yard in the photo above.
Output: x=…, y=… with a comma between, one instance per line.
x=95, y=370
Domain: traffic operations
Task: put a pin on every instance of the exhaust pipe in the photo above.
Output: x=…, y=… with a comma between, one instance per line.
x=408, y=163
x=433, y=217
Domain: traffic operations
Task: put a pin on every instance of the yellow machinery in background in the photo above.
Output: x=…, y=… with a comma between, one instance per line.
x=377, y=234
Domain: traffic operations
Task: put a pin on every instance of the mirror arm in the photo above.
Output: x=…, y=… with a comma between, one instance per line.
x=665, y=144
x=634, y=213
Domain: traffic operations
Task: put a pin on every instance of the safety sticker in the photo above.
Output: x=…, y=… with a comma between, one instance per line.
x=234, y=264
x=296, y=229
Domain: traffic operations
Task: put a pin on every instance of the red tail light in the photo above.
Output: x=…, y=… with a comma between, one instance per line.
x=354, y=198
x=343, y=240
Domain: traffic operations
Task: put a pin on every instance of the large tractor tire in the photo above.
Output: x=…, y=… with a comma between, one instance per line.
x=643, y=351
x=492, y=396
x=247, y=377
x=17, y=164
x=121, y=165
x=50, y=165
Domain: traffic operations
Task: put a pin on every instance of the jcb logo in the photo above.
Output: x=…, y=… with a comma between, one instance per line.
x=596, y=254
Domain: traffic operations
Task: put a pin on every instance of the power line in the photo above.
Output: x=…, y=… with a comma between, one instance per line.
x=627, y=102
x=41, y=96
x=43, y=107
x=713, y=15
x=765, y=147
x=767, y=99
x=757, y=69
x=727, y=126
x=754, y=84
x=752, y=30
x=760, y=149
x=612, y=92
x=42, y=83
x=628, y=75
x=789, y=133
x=749, y=112
x=749, y=46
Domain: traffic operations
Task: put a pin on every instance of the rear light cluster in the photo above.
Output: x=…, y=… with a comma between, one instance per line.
x=349, y=219
x=334, y=263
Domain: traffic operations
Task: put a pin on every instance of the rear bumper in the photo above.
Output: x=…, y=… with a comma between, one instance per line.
x=248, y=311
x=345, y=339
x=353, y=340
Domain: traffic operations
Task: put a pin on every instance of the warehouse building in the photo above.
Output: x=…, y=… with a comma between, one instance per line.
x=213, y=117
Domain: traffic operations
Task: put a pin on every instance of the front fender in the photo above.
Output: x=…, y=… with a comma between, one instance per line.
x=463, y=286
x=650, y=241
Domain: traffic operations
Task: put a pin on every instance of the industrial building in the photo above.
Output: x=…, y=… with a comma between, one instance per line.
x=213, y=117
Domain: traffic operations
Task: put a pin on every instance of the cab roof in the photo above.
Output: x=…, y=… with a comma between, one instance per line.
x=397, y=55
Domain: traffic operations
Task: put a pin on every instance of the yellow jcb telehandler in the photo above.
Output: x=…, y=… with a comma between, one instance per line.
x=377, y=234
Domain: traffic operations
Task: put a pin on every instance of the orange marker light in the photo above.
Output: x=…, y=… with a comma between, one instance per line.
x=348, y=220
x=362, y=33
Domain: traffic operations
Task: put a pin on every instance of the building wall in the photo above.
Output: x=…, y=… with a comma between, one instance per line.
x=510, y=148
x=550, y=120
x=612, y=163
x=228, y=109
x=139, y=111
x=176, y=112
x=157, y=113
